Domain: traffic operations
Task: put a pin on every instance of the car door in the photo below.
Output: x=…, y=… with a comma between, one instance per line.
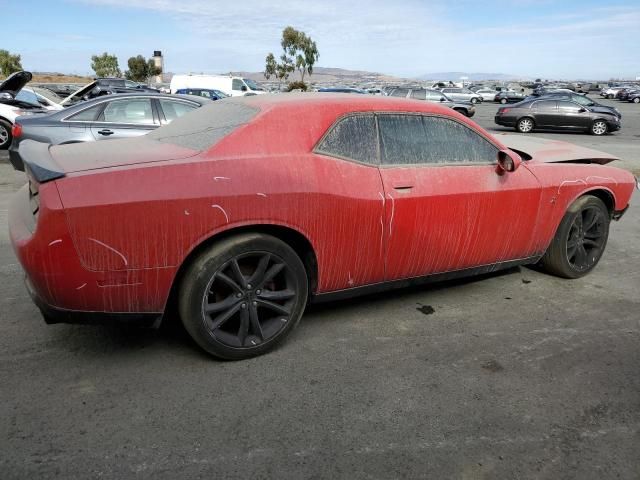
x=125, y=117
x=544, y=112
x=447, y=207
x=572, y=115
x=350, y=205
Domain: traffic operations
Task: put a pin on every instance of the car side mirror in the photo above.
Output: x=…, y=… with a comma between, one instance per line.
x=508, y=161
x=243, y=88
x=582, y=110
x=5, y=96
x=442, y=99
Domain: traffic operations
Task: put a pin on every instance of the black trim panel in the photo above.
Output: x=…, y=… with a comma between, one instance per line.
x=408, y=282
x=38, y=161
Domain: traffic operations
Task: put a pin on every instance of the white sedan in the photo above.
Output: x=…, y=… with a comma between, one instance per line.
x=487, y=93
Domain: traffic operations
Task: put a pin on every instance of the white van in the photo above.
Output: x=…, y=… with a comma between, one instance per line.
x=233, y=86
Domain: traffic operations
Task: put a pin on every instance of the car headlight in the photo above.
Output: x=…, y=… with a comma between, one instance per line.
x=24, y=112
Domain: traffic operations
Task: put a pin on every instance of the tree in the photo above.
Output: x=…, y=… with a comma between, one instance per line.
x=9, y=63
x=270, y=66
x=301, y=48
x=105, y=65
x=299, y=52
x=140, y=69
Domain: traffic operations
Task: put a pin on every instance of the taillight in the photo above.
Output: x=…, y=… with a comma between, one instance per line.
x=504, y=110
x=16, y=130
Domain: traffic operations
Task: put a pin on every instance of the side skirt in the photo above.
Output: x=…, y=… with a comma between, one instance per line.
x=409, y=282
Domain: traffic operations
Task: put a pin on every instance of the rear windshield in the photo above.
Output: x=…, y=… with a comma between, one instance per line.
x=204, y=127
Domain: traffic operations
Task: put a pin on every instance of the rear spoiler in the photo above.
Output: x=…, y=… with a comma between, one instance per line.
x=38, y=161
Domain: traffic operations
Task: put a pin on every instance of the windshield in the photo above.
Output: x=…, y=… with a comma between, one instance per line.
x=47, y=94
x=253, y=85
x=28, y=97
x=583, y=101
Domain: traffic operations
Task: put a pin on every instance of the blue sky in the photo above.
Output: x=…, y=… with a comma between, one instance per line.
x=537, y=38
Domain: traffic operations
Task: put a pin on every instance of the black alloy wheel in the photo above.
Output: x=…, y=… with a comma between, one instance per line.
x=241, y=297
x=587, y=237
x=580, y=239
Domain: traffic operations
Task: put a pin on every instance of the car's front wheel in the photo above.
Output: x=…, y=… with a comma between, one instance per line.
x=636, y=100
x=525, y=125
x=243, y=295
x=5, y=134
x=503, y=101
x=599, y=127
x=580, y=240
x=474, y=100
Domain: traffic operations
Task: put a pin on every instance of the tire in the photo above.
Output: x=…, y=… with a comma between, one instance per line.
x=5, y=134
x=525, y=125
x=245, y=319
x=462, y=111
x=610, y=97
x=636, y=100
x=503, y=101
x=575, y=250
x=474, y=100
x=599, y=127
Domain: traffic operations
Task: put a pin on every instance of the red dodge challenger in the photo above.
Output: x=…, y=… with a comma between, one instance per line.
x=243, y=211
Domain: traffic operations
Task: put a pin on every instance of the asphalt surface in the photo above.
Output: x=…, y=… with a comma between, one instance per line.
x=517, y=375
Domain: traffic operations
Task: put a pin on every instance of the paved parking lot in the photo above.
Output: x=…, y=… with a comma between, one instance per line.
x=514, y=375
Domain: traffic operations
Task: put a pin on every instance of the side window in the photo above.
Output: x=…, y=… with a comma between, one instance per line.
x=400, y=92
x=173, y=109
x=402, y=140
x=452, y=142
x=568, y=107
x=236, y=84
x=86, y=115
x=413, y=139
x=419, y=94
x=135, y=111
x=352, y=137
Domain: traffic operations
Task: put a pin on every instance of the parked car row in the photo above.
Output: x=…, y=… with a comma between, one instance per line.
x=627, y=92
x=468, y=109
x=105, y=108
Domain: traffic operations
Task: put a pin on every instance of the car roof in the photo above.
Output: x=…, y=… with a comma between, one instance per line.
x=115, y=96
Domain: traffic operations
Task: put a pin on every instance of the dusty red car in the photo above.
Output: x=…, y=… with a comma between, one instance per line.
x=243, y=211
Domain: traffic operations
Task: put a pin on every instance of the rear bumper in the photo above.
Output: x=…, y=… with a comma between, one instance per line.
x=54, y=315
x=504, y=121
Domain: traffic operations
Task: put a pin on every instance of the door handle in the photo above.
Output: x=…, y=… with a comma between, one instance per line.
x=402, y=188
x=105, y=132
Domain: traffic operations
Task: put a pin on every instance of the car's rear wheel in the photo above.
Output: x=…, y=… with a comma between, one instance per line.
x=474, y=100
x=599, y=127
x=5, y=134
x=636, y=100
x=242, y=296
x=503, y=101
x=580, y=240
x=525, y=125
